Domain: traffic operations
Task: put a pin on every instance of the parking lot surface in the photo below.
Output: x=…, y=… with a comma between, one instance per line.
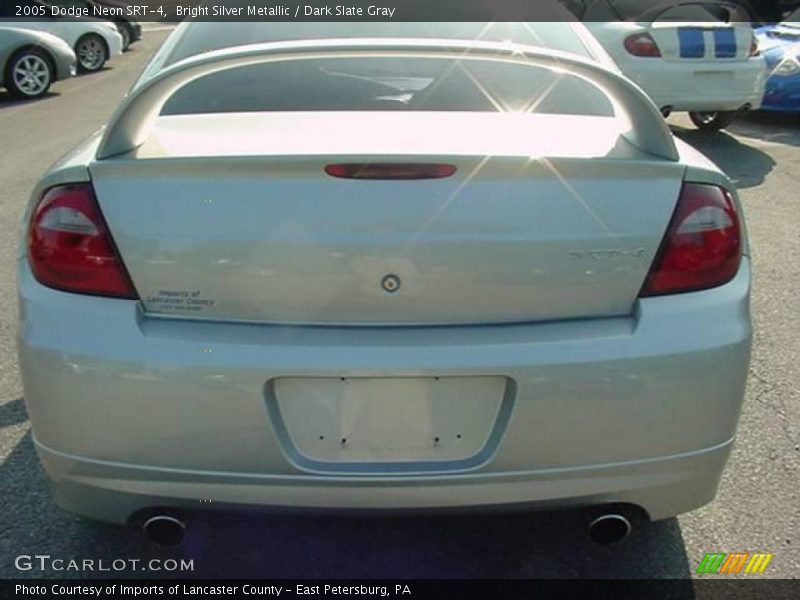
x=757, y=509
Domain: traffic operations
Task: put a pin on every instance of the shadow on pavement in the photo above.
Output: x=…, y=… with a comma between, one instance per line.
x=532, y=545
x=255, y=545
x=7, y=100
x=745, y=165
x=776, y=127
x=12, y=413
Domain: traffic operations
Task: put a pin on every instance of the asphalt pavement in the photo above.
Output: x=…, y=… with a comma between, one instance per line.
x=757, y=509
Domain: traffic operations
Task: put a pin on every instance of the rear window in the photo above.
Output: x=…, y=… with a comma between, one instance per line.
x=202, y=37
x=393, y=84
x=648, y=10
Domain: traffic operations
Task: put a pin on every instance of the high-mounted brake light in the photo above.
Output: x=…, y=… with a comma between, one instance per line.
x=70, y=247
x=702, y=247
x=390, y=170
x=642, y=45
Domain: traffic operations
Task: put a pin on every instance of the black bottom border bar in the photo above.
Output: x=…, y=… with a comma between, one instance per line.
x=412, y=589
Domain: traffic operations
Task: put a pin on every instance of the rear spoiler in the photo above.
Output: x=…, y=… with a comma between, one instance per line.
x=133, y=121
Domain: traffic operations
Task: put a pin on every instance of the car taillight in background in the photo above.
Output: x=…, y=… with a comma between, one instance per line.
x=642, y=45
x=755, y=50
x=70, y=247
x=702, y=247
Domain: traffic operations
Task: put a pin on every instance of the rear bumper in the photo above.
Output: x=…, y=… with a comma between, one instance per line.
x=703, y=87
x=114, y=492
x=129, y=411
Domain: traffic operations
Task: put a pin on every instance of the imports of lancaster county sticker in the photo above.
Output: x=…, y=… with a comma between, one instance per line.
x=178, y=300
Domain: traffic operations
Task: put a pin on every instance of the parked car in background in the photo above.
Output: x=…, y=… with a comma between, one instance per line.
x=129, y=28
x=780, y=44
x=384, y=266
x=93, y=41
x=696, y=57
x=781, y=8
x=31, y=61
x=766, y=11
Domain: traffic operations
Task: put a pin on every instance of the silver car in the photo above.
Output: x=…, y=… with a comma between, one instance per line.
x=31, y=61
x=384, y=266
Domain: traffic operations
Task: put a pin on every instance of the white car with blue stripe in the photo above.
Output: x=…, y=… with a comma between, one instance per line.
x=698, y=57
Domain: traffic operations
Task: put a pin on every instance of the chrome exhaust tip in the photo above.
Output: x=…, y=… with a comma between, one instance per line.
x=164, y=530
x=609, y=528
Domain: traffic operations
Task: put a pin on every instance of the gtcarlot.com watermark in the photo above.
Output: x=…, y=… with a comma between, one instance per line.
x=45, y=562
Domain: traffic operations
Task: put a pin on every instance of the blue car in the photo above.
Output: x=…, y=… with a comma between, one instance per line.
x=780, y=45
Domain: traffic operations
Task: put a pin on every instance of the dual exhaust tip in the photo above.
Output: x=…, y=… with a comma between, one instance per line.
x=164, y=530
x=607, y=528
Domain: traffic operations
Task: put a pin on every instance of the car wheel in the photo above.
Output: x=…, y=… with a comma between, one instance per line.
x=125, y=32
x=92, y=53
x=29, y=74
x=712, y=120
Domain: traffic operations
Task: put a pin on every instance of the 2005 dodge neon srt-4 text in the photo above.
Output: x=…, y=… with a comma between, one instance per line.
x=384, y=266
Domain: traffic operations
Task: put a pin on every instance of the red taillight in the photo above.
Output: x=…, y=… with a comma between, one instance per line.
x=390, y=171
x=702, y=247
x=70, y=247
x=642, y=45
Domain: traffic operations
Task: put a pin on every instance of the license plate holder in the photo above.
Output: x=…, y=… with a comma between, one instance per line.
x=368, y=423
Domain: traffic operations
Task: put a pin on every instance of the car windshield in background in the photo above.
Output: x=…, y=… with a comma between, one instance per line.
x=204, y=37
x=634, y=10
x=381, y=84
x=793, y=19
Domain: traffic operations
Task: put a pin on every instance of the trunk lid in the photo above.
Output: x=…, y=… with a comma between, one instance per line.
x=702, y=42
x=546, y=217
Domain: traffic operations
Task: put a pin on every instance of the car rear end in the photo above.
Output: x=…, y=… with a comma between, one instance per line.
x=686, y=59
x=384, y=274
x=136, y=30
x=124, y=20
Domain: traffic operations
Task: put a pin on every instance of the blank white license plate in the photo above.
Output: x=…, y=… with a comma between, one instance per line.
x=380, y=420
x=713, y=77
